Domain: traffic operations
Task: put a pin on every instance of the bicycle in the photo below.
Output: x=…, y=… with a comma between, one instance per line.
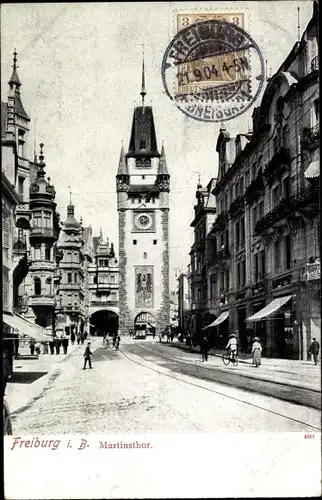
x=229, y=357
x=106, y=343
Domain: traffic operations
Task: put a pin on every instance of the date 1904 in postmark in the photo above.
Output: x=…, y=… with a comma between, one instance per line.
x=213, y=70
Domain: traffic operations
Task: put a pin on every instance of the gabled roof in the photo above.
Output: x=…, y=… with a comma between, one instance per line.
x=143, y=141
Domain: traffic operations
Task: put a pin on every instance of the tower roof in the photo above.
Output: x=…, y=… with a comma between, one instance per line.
x=162, y=168
x=122, y=170
x=143, y=141
x=15, y=81
x=40, y=186
x=71, y=223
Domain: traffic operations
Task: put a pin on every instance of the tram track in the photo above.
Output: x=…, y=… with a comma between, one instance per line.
x=206, y=377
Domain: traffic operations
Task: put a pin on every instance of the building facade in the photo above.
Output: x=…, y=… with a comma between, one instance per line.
x=143, y=186
x=71, y=266
x=205, y=213
x=103, y=287
x=266, y=238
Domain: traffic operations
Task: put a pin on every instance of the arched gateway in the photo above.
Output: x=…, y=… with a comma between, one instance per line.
x=104, y=321
x=144, y=323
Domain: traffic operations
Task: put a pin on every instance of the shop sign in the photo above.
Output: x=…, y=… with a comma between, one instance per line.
x=313, y=271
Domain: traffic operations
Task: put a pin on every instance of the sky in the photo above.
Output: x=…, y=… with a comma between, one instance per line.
x=80, y=68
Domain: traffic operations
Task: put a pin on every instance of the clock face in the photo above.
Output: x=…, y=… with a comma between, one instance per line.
x=143, y=221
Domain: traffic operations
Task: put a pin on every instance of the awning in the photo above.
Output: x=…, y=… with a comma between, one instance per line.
x=270, y=308
x=224, y=315
x=24, y=327
x=313, y=170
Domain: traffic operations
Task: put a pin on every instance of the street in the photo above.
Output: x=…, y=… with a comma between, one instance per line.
x=138, y=389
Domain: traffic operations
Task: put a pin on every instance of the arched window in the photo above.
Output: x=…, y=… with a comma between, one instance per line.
x=48, y=286
x=37, y=283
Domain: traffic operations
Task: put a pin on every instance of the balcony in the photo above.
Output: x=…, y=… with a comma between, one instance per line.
x=23, y=210
x=278, y=164
x=104, y=303
x=306, y=201
x=315, y=64
x=42, y=301
x=44, y=232
x=282, y=280
x=22, y=162
x=237, y=206
x=221, y=222
x=43, y=265
x=311, y=137
x=70, y=286
x=254, y=190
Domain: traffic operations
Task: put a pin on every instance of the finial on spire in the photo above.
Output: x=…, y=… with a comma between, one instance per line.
x=41, y=154
x=101, y=234
x=298, y=24
x=143, y=92
x=35, y=154
x=70, y=195
x=15, y=59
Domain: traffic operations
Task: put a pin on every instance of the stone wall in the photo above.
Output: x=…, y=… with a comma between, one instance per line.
x=125, y=320
x=163, y=315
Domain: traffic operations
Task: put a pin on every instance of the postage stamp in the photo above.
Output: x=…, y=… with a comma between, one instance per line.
x=185, y=19
x=213, y=70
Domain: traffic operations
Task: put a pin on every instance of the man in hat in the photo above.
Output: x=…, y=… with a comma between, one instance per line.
x=314, y=350
x=87, y=356
x=232, y=345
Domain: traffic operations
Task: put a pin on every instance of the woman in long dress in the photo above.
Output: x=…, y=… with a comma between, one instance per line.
x=257, y=352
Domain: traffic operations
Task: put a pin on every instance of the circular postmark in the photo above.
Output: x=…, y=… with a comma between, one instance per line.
x=213, y=71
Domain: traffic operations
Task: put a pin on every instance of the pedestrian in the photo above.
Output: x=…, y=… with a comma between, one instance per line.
x=117, y=342
x=72, y=338
x=57, y=345
x=257, y=352
x=37, y=348
x=205, y=348
x=153, y=333
x=65, y=344
x=87, y=356
x=32, y=344
x=78, y=339
x=114, y=339
x=314, y=350
x=85, y=335
x=172, y=335
x=82, y=338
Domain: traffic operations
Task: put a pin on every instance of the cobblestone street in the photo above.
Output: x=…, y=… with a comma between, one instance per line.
x=124, y=393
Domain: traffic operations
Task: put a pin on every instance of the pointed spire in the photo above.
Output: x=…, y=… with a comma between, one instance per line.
x=162, y=168
x=41, y=172
x=35, y=153
x=143, y=92
x=101, y=235
x=14, y=77
x=122, y=170
x=70, y=196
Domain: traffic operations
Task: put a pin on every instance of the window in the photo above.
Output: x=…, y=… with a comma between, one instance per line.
x=154, y=242
x=247, y=178
x=76, y=278
x=286, y=187
x=143, y=177
x=242, y=231
x=254, y=216
x=37, y=251
x=47, y=253
x=69, y=299
x=5, y=286
x=135, y=242
x=36, y=219
x=142, y=144
x=238, y=275
x=316, y=112
x=275, y=196
x=112, y=279
x=37, y=286
x=256, y=265
x=101, y=262
x=69, y=277
x=243, y=273
x=288, y=251
x=277, y=255
x=262, y=264
x=47, y=219
x=237, y=234
x=48, y=286
x=227, y=280
x=20, y=185
x=69, y=257
x=21, y=143
x=153, y=200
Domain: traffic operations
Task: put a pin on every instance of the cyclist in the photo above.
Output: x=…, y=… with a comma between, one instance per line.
x=232, y=345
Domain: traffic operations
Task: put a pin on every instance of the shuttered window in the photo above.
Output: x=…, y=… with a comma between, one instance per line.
x=5, y=287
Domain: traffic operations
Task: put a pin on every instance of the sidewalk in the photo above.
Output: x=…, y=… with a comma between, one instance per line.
x=301, y=374
x=31, y=375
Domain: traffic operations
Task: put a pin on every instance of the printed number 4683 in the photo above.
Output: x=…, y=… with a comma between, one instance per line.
x=309, y=436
